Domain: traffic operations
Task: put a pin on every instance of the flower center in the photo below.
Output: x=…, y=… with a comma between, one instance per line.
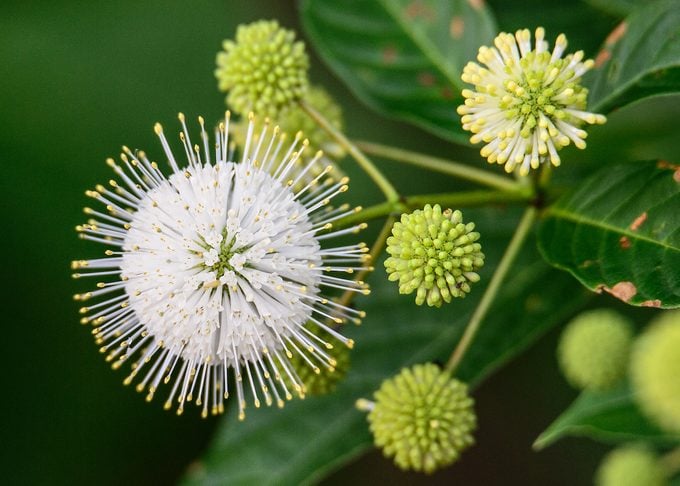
x=222, y=255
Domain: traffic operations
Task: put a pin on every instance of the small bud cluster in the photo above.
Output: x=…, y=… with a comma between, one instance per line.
x=321, y=380
x=264, y=70
x=655, y=370
x=594, y=349
x=435, y=254
x=422, y=418
x=632, y=465
x=294, y=121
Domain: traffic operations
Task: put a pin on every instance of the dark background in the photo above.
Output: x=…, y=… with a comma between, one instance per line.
x=79, y=79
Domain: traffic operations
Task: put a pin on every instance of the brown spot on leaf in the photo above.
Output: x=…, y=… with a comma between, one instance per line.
x=651, y=303
x=664, y=164
x=389, y=54
x=476, y=4
x=426, y=79
x=616, y=34
x=602, y=57
x=447, y=93
x=622, y=290
x=417, y=9
x=196, y=469
x=534, y=303
x=588, y=263
x=635, y=225
x=624, y=242
x=457, y=27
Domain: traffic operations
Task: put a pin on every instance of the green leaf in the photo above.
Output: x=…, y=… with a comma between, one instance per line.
x=609, y=416
x=641, y=58
x=309, y=438
x=403, y=58
x=620, y=232
x=616, y=7
x=556, y=16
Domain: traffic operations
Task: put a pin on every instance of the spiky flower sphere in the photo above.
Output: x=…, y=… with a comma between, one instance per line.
x=264, y=69
x=594, y=348
x=215, y=269
x=422, y=418
x=323, y=380
x=655, y=370
x=435, y=254
x=528, y=103
x=631, y=465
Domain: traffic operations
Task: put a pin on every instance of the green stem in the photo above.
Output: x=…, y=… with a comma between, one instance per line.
x=373, y=172
x=452, y=199
x=376, y=250
x=449, y=167
x=480, y=312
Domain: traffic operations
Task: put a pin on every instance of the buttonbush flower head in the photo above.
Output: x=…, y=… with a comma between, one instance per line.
x=632, y=465
x=264, y=69
x=435, y=254
x=422, y=418
x=323, y=380
x=527, y=103
x=594, y=349
x=655, y=368
x=215, y=269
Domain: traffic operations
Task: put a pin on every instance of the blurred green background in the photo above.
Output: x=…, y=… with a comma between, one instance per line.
x=78, y=79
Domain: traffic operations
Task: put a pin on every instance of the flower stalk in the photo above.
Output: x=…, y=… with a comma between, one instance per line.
x=443, y=166
x=364, y=162
x=482, y=309
x=448, y=199
x=376, y=250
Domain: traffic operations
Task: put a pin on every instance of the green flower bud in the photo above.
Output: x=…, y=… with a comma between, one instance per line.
x=655, y=370
x=294, y=121
x=422, y=418
x=434, y=254
x=594, y=348
x=630, y=465
x=264, y=70
x=322, y=379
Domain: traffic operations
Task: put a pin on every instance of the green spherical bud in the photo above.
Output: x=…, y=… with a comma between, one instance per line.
x=325, y=374
x=433, y=253
x=264, y=70
x=296, y=119
x=630, y=465
x=423, y=418
x=302, y=171
x=594, y=349
x=655, y=370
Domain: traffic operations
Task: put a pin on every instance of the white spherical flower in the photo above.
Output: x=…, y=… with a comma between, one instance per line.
x=528, y=103
x=216, y=269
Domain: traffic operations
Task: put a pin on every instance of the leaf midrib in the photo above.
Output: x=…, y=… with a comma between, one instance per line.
x=581, y=219
x=652, y=67
x=424, y=45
